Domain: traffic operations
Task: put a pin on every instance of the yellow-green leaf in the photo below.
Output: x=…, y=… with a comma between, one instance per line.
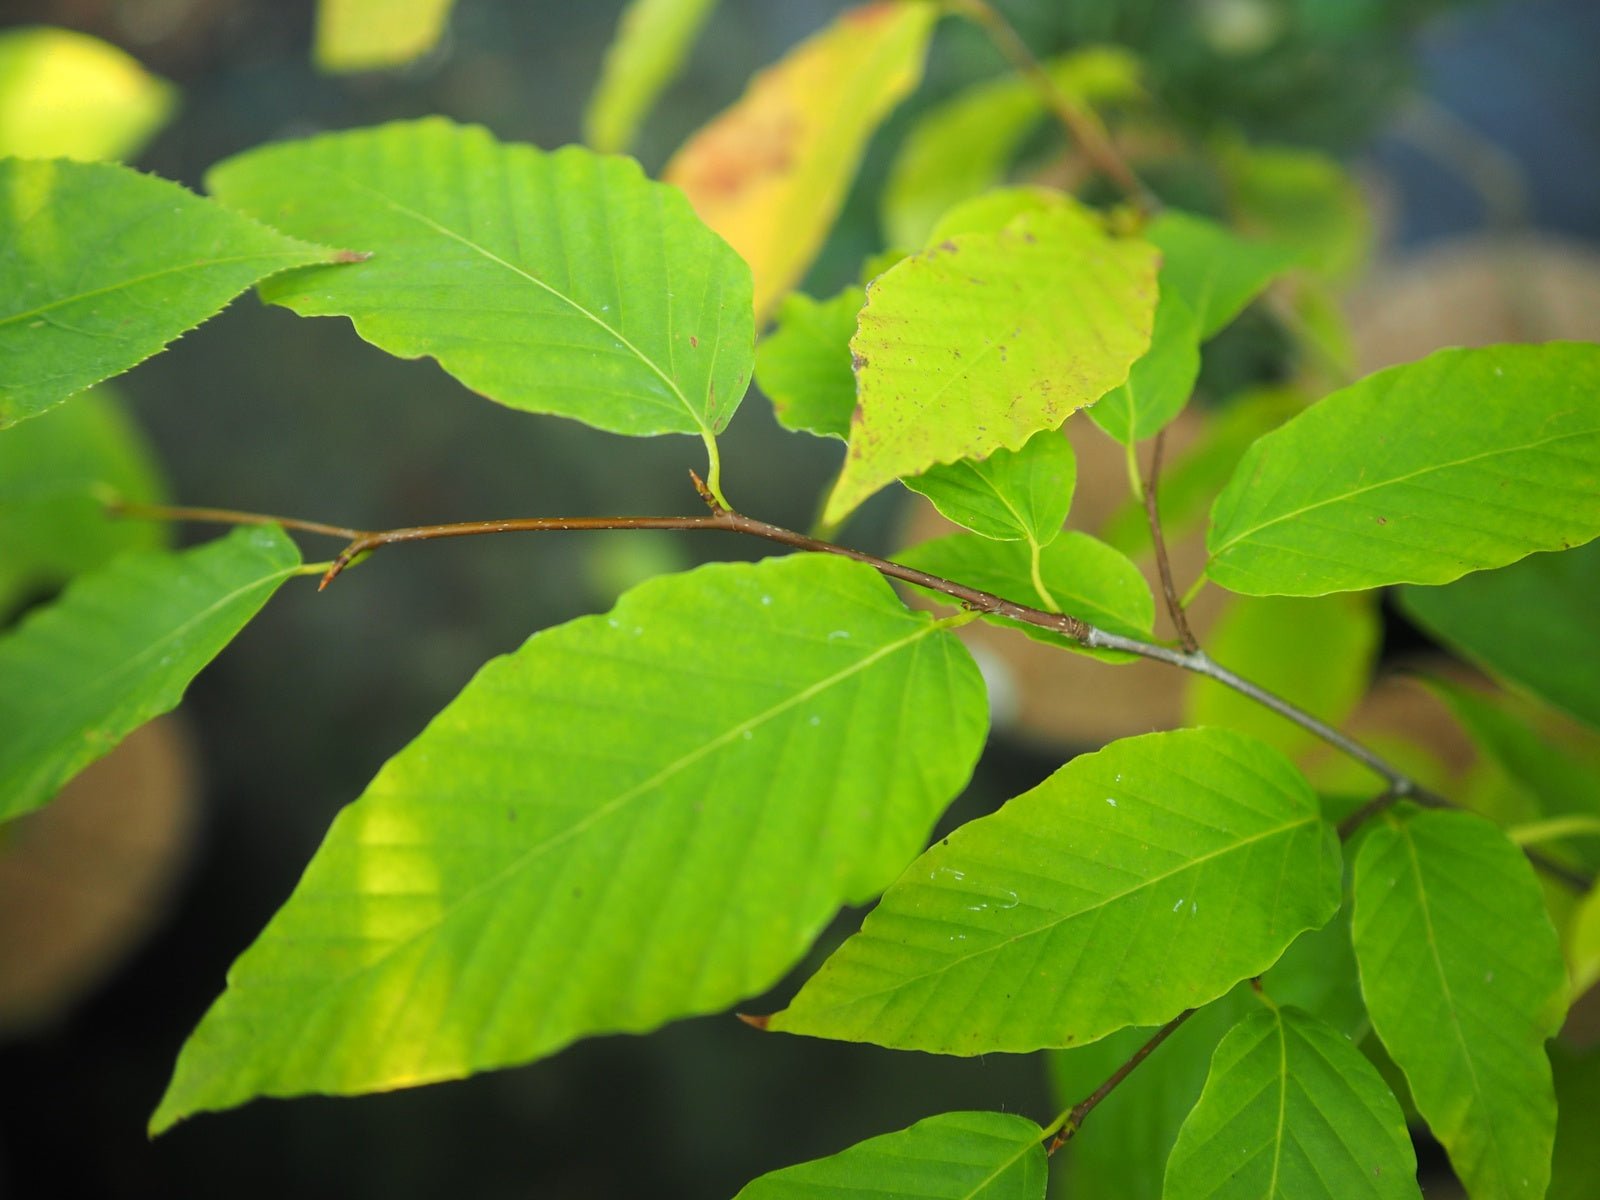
x=368, y=35
x=652, y=38
x=988, y=338
x=66, y=94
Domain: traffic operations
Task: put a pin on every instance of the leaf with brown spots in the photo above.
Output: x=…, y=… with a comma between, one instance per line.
x=989, y=337
x=770, y=173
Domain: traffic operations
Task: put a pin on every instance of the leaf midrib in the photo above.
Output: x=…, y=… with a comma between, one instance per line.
x=428, y=222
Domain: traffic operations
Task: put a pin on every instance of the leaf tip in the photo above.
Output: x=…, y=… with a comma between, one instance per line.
x=351, y=256
x=754, y=1021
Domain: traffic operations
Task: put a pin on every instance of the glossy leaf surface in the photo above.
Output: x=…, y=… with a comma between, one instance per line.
x=1012, y=494
x=637, y=816
x=1316, y=652
x=1135, y=882
x=770, y=173
x=988, y=338
x=956, y=1156
x=563, y=283
x=1535, y=623
x=1216, y=271
x=368, y=35
x=54, y=472
x=1464, y=982
x=803, y=365
x=1465, y=460
x=1079, y=575
x=76, y=309
x=70, y=95
x=1292, y=1111
x=119, y=647
x=652, y=39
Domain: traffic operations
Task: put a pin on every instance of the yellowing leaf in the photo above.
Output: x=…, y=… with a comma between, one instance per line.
x=368, y=35
x=68, y=95
x=987, y=338
x=770, y=173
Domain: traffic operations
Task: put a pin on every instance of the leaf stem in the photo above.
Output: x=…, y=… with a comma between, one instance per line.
x=1050, y=601
x=1152, y=513
x=713, y=466
x=1068, y=1123
x=720, y=517
x=1082, y=126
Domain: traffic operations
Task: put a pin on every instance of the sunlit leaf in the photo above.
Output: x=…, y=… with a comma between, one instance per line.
x=1464, y=982
x=54, y=475
x=1159, y=384
x=1316, y=652
x=1214, y=269
x=1535, y=623
x=993, y=210
x=988, y=338
x=65, y=94
x=1465, y=460
x=771, y=172
x=635, y=817
x=963, y=146
x=1077, y=575
x=803, y=365
x=956, y=1156
x=1292, y=1110
x=653, y=37
x=104, y=266
x=562, y=283
x=119, y=647
x=368, y=35
x=1135, y=882
x=1012, y=494
x=1301, y=200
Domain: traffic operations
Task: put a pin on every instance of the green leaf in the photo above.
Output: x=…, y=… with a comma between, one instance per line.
x=804, y=364
x=1159, y=384
x=54, y=473
x=955, y=1156
x=1317, y=652
x=1192, y=480
x=1465, y=460
x=1534, y=623
x=105, y=266
x=636, y=817
x=562, y=283
x=771, y=172
x=1011, y=494
x=369, y=35
x=653, y=37
x=1561, y=784
x=1464, y=982
x=1302, y=200
x=962, y=147
x=1214, y=269
x=988, y=338
x=1583, y=943
x=1076, y=573
x=1291, y=1109
x=118, y=648
x=65, y=94
x=992, y=211
x=1135, y=882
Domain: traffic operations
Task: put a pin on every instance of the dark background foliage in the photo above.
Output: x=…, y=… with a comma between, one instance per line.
x=260, y=409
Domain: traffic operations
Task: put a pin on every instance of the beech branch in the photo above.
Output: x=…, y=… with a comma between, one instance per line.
x=1152, y=513
x=360, y=543
x=1066, y=1125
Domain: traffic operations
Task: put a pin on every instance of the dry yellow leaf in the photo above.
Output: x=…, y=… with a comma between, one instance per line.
x=770, y=173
